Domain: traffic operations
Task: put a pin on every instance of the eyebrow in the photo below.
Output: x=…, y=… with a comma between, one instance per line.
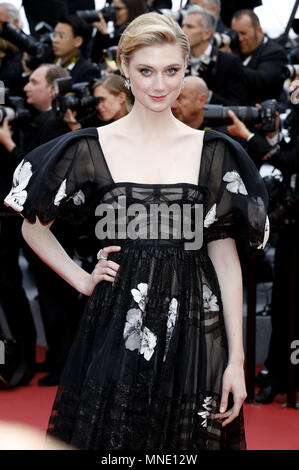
x=166, y=66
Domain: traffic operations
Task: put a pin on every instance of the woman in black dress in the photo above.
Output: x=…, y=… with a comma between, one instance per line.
x=158, y=358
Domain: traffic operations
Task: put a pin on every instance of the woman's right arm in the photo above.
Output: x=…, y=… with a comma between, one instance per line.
x=43, y=242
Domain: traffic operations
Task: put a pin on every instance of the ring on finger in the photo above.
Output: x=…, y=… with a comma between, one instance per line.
x=100, y=255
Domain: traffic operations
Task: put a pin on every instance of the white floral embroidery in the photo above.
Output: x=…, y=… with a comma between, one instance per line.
x=132, y=330
x=209, y=299
x=210, y=218
x=172, y=313
x=136, y=335
x=140, y=295
x=207, y=411
x=266, y=235
x=17, y=196
x=235, y=183
x=171, y=320
x=61, y=194
x=148, y=343
x=79, y=198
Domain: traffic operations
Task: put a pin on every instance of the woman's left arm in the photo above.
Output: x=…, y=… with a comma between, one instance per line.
x=224, y=256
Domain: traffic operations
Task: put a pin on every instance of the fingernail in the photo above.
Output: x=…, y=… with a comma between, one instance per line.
x=222, y=409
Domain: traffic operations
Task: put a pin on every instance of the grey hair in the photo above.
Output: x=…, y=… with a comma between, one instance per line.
x=213, y=3
x=208, y=20
x=13, y=12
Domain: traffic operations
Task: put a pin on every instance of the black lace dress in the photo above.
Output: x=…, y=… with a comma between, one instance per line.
x=145, y=370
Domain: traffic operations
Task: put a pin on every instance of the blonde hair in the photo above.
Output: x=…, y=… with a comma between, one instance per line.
x=147, y=30
x=115, y=84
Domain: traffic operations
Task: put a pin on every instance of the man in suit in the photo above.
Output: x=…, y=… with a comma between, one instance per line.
x=67, y=40
x=222, y=71
x=262, y=58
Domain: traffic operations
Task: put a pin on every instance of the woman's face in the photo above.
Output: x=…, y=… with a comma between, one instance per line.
x=110, y=107
x=156, y=74
x=121, y=12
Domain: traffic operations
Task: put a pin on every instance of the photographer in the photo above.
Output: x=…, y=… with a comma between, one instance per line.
x=188, y=107
x=67, y=40
x=284, y=220
x=43, y=126
x=81, y=105
x=263, y=59
x=60, y=312
x=11, y=68
x=221, y=71
x=122, y=12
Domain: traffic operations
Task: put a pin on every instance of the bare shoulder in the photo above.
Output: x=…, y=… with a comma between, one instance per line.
x=112, y=130
x=187, y=132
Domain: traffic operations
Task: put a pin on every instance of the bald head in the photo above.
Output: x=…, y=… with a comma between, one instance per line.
x=196, y=85
x=188, y=108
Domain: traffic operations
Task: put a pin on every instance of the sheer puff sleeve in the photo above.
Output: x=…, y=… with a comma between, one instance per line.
x=54, y=180
x=236, y=197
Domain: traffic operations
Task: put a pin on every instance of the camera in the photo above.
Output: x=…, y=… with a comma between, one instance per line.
x=284, y=202
x=290, y=71
x=266, y=115
x=229, y=37
x=41, y=51
x=206, y=64
x=91, y=16
x=15, y=109
x=76, y=97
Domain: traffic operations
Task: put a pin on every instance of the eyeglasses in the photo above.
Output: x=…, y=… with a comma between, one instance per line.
x=58, y=35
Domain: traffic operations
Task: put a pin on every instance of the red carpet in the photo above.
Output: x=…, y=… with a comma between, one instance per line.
x=268, y=427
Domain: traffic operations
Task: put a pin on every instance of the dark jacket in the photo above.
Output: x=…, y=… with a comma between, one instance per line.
x=264, y=72
x=226, y=80
x=84, y=71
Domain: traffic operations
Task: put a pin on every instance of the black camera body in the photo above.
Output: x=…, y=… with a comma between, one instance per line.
x=77, y=97
x=14, y=109
x=206, y=64
x=290, y=71
x=41, y=51
x=217, y=115
x=92, y=16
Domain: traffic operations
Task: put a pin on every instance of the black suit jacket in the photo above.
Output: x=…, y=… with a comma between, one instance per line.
x=227, y=80
x=264, y=72
x=84, y=71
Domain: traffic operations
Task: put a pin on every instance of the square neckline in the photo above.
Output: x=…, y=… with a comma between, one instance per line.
x=155, y=185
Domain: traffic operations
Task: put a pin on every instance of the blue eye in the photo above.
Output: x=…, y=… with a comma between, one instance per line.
x=145, y=72
x=172, y=71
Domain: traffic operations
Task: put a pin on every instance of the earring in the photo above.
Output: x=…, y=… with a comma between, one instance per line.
x=127, y=83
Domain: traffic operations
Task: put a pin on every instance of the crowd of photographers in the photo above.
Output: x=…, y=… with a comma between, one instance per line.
x=63, y=76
